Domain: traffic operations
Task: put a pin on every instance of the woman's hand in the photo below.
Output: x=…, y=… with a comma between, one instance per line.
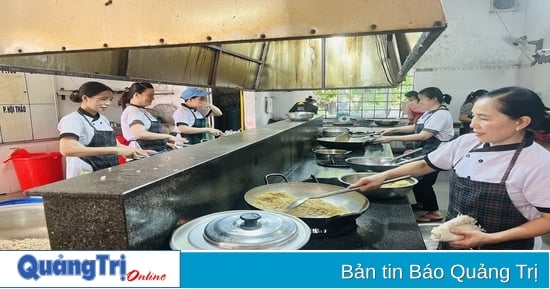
x=472, y=238
x=133, y=153
x=370, y=182
x=387, y=131
x=383, y=139
x=215, y=132
x=177, y=139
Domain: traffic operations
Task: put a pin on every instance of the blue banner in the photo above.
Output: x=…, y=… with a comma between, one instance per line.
x=364, y=269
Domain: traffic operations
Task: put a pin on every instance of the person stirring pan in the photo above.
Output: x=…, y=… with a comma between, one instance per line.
x=434, y=127
x=498, y=174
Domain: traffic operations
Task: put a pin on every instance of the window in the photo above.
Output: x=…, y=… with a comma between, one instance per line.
x=365, y=103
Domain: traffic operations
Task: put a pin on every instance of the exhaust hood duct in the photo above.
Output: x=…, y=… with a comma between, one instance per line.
x=266, y=45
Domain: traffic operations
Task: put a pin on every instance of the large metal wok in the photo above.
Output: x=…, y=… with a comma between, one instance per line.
x=355, y=203
x=376, y=164
x=352, y=144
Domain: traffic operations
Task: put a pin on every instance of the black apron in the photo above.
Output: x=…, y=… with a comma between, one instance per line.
x=490, y=204
x=198, y=137
x=155, y=145
x=423, y=191
x=101, y=138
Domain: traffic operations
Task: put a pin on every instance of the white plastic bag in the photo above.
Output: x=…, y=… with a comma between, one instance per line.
x=442, y=232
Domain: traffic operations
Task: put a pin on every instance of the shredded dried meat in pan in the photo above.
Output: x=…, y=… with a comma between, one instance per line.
x=277, y=201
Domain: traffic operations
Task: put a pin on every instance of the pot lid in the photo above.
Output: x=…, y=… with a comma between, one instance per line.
x=242, y=230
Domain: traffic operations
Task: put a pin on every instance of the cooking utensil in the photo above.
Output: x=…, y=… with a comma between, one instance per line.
x=352, y=144
x=343, y=137
x=386, y=122
x=23, y=218
x=300, y=115
x=355, y=203
x=376, y=164
x=331, y=156
x=242, y=230
x=381, y=193
x=302, y=200
x=401, y=156
x=334, y=131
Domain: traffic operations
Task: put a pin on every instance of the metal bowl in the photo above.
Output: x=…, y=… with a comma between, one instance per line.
x=382, y=192
x=386, y=122
x=300, y=115
x=334, y=131
x=365, y=164
x=23, y=220
x=332, y=156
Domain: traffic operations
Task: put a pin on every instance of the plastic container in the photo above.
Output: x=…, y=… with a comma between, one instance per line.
x=19, y=201
x=122, y=140
x=36, y=169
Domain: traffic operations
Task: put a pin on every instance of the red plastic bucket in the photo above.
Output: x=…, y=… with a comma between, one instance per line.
x=122, y=140
x=36, y=169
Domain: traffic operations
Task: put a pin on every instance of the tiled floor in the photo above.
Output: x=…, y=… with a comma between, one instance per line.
x=442, y=190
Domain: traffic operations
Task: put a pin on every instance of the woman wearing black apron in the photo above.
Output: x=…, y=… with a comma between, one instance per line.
x=190, y=118
x=86, y=137
x=432, y=128
x=498, y=173
x=139, y=127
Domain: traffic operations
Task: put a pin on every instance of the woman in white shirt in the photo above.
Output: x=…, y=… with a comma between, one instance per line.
x=434, y=127
x=499, y=175
x=86, y=138
x=190, y=117
x=140, y=127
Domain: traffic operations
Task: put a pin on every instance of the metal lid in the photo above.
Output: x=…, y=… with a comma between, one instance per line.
x=242, y=230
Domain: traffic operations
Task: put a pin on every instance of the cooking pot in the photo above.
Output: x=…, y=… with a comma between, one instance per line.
x=24, y=219
x=376, y=164
x=335, y=131
x=352, y=144
x=300, y=115
x=386, y=122
x=355, y=203
x=336, y=157
x=384, y=192
x=242, y=230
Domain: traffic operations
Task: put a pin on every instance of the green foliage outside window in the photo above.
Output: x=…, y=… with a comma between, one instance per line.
x=364, y=103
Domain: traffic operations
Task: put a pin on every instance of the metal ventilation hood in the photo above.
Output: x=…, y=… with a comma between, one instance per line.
x=248, y=44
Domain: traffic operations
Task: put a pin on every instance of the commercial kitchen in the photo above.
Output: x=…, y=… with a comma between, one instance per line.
x=259, y=60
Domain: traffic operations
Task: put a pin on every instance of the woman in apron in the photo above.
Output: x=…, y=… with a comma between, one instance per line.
x=499, y=175
x=190, y=118
x=431, y=129
x=86, y=138
x=139, y=127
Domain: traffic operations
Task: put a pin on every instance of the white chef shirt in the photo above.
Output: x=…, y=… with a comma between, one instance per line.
x=528, y=184
x=74, y=123
x=132, y=115
x=440, y=123
x=187, y=115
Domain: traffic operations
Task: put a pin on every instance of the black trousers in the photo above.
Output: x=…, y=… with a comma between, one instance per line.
x=424, y=192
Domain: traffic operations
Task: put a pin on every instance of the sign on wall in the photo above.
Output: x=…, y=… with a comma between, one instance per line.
x=23, y=115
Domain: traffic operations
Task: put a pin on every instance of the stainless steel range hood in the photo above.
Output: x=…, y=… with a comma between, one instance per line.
x=248, y=44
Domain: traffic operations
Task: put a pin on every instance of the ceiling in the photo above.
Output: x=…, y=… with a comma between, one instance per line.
x=249, y=44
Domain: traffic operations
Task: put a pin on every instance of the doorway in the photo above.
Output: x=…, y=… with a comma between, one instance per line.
x=229, y=101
